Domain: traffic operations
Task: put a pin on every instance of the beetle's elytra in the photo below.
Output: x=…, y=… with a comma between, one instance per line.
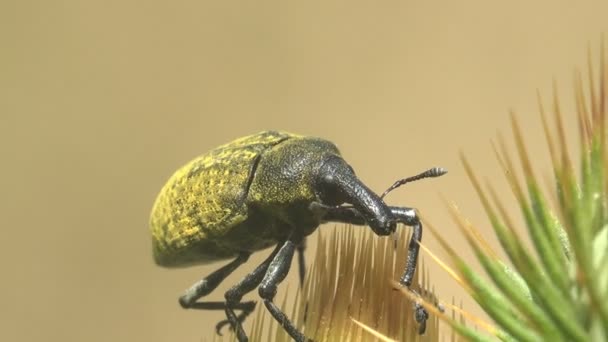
x=267, y=189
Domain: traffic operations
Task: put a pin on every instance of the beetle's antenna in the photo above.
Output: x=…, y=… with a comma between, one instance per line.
x=430, y=173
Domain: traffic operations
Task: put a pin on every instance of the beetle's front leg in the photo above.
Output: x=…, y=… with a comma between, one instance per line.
x=407, y=216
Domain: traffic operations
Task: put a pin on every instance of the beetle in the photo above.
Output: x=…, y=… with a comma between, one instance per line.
x=267, y=189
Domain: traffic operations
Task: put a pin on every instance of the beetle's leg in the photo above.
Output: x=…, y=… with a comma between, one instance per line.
x=301, y=261
x=302, y=268
x=408, y=216
x=209, y=283
x=278, y=269
x=403, y=215
x=245, y=306
x=234, y=294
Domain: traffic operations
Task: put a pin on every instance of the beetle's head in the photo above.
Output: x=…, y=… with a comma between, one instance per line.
x=332, y=173
x=338, y=184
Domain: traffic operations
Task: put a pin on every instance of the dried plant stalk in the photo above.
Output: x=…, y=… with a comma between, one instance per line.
x=348, y=294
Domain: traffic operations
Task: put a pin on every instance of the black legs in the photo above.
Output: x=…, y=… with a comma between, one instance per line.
x=234, y=295
x=277, y=271
x=270, y=273
x=403, y=215
x=208, y=284
x=267, y=276
x=301, y=262
x=409, y=217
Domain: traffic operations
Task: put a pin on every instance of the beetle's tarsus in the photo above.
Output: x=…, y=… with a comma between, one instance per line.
x=246, y=307
x=420, y=313
x=421, y=316
x=235, y=324
x=221, y=324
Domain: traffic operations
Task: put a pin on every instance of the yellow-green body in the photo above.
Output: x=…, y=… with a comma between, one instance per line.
x=242, y=196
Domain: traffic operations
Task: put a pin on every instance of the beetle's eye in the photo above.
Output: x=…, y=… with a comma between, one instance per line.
x=329, y=179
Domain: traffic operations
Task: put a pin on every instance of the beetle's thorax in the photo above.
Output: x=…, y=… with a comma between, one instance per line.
x=285, y=180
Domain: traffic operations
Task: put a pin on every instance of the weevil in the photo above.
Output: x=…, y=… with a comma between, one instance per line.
x=267, y=189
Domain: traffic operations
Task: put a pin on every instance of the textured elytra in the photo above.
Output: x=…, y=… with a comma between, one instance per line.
x=205, y=198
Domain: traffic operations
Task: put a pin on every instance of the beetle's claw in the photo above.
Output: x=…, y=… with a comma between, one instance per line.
x=220, y=325
x=421, y=315
x=247, y=308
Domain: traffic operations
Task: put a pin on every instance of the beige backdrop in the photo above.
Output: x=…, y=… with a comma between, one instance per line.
x=101, y=101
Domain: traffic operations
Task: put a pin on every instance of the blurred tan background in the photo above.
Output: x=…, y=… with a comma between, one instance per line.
x=101, y=101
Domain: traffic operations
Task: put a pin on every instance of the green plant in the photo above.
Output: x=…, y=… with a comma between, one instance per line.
x=558, y=289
